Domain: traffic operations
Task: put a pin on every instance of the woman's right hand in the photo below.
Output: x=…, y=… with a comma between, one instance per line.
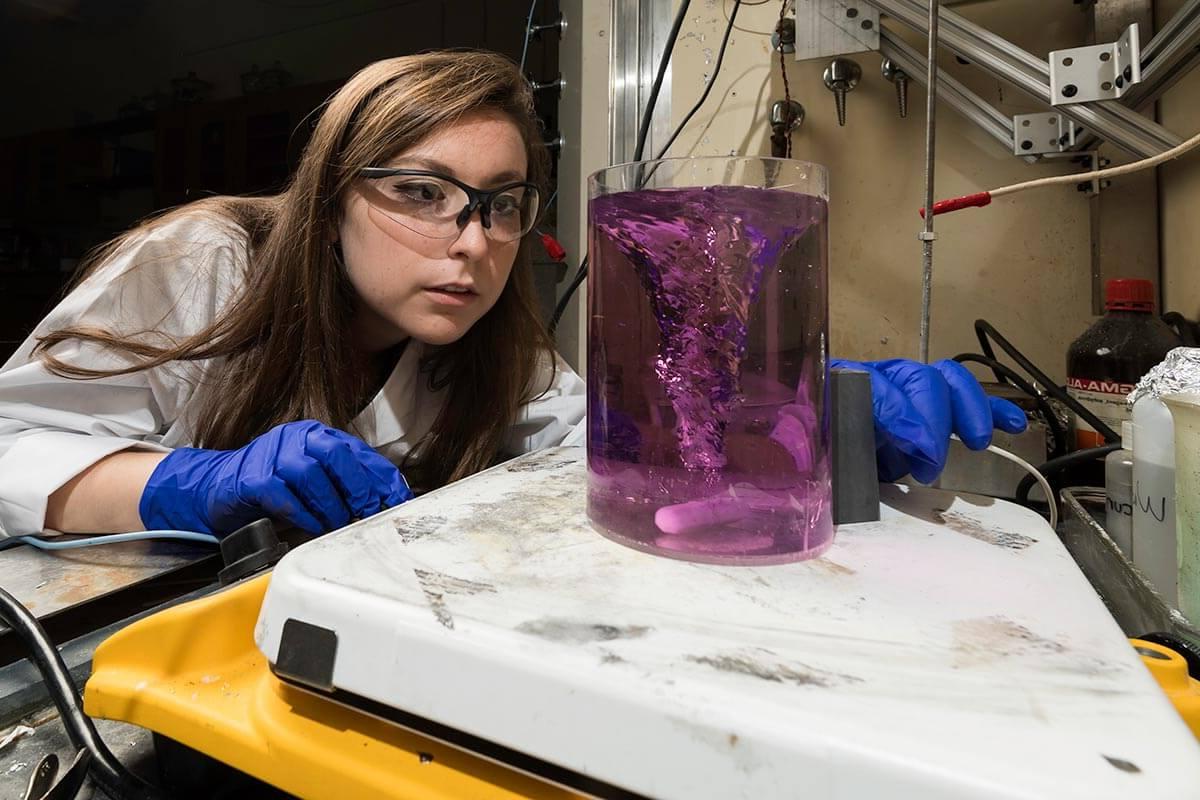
x=303, y=473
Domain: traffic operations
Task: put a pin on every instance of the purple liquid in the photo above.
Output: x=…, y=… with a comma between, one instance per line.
x=707, y=433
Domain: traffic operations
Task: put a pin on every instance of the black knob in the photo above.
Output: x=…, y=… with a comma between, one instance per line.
x=248, y=550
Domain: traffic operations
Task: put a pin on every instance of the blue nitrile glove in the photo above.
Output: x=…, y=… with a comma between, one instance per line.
x=918, y=406
x=303, y=473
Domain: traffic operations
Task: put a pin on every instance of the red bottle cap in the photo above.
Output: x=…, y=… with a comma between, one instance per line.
x=1129, y=294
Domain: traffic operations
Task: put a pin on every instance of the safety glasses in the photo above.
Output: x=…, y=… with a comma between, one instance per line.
x=439, y=206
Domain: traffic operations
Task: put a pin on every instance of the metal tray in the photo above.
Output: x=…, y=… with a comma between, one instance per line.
x=1130, y=598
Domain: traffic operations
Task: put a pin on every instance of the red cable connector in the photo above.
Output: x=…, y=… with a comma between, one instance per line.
x=977, y=200
x=553, y=248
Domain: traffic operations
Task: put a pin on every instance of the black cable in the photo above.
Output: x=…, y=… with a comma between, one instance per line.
x=712, y=80
x=984, y=330
x=639, y=146
x=1184, y=328
x=1015, y=378
x=786, y=132
x=108, y=772
x=1059, y=464
x=561, y=308
x=528, y=33
x=664, y=62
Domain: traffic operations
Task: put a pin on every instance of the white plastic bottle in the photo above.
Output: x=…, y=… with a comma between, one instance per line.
x=1118, y=491
x=1154, y=496
x=1154, y=540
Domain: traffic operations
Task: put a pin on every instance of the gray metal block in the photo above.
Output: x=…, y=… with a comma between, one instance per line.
x=855, y=476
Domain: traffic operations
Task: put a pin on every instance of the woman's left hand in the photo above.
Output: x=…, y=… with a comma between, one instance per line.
x=917, y=406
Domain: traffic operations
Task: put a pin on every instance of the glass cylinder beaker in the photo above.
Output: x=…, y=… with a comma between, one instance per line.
x=708, y=428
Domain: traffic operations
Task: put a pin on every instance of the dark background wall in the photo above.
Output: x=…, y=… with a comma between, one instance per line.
x=114, y=109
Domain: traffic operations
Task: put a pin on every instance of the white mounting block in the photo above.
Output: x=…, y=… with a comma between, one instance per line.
x=1099, y=72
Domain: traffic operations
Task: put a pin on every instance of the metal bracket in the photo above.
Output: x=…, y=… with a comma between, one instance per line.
x=826, y=28
x=1040, y=134
x=1099, y=72
x=1121, y=126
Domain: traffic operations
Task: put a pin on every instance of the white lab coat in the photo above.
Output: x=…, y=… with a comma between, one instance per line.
x=52, y=428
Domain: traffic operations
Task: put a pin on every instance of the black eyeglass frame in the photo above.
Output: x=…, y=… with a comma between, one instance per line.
x=480, y=199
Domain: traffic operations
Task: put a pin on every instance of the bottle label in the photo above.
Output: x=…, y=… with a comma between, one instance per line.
x=1105, y=399
x=1120, y=505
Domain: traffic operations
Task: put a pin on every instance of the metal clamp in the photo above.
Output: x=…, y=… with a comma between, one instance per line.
x=1040, y=134
x=1098, y=72
x=559, y=25
x=558, y=83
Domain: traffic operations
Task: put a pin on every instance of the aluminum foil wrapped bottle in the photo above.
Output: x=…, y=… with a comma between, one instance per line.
x=1155, y=544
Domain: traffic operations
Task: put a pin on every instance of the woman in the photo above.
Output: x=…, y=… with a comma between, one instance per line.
x=211, y=365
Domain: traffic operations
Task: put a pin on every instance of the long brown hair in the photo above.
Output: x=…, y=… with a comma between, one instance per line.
x=284, y=340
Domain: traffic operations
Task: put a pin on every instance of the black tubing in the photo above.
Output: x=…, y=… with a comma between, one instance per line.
x=1058, y=465
x=640, y=143
x=647, y=115
x=108, y=772
x=1015, y=379
x=708, y=86
x=984, y=330
x=1183, y=327
x=561, y=308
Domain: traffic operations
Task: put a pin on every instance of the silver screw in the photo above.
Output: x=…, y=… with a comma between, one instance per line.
x=559, y=24
x=899, y=77
x=558, y=83
x=786, y=118
x=841, y=76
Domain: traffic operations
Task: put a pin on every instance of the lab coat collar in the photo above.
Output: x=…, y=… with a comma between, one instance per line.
x=401, y=411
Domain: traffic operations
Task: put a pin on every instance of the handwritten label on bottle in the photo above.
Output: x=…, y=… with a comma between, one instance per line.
x=1154, y=506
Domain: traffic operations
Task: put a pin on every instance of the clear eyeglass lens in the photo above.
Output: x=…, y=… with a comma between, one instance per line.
x=431, y=206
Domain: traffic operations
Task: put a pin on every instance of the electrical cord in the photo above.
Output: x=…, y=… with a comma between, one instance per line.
x=108, y=772
x=1058, y=465
x=565, y=300
x=105, y=768
x=980, y=199
x=115, y=538
x=528, y=34
x=786, y=132
x=1185, y=329
x=639, y=146
x=1014, y=378
x=663, y=63
x=1035, y=474
x=984, y=330
x=708, y=86
x=986, y=333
